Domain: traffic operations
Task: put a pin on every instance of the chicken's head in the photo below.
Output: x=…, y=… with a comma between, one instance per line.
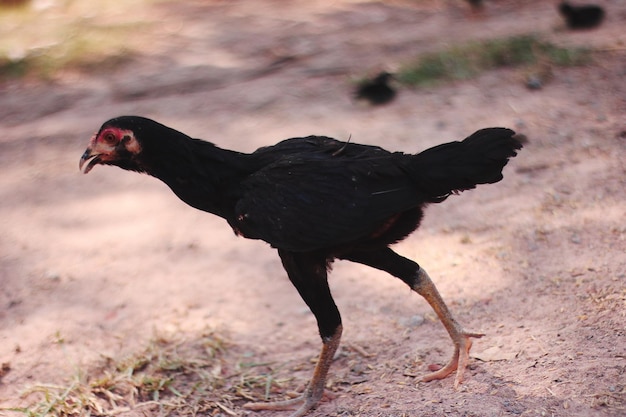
x=112, y=145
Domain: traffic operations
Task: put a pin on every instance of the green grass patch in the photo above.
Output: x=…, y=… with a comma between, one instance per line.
x=468, y=60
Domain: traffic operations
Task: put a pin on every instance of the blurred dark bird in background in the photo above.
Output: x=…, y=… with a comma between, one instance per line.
x=581, y=17
x=316, y=199
x=376, y=91
x=476, y=5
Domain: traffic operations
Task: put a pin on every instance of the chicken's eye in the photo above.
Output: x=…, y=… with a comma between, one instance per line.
x=109, y=138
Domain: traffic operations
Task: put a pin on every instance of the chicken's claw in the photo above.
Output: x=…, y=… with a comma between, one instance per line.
x=305, y=401
x=461, y=339
x=460, y=358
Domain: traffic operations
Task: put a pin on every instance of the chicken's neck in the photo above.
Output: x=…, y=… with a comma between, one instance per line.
x=202, y=175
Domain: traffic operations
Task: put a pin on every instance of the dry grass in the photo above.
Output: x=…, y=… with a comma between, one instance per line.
x=170, y=376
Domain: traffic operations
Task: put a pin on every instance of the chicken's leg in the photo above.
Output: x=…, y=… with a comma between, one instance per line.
x=461, y=338
x=308, y=273
x=419, y=281
x=314, y=390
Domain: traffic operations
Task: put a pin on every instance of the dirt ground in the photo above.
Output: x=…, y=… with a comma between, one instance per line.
x=537, y=261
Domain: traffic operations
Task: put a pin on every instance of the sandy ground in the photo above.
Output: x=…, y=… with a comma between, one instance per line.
x=537, y=261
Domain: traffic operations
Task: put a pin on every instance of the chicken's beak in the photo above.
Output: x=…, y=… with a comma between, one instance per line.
x=89, y=154
x=96, y=153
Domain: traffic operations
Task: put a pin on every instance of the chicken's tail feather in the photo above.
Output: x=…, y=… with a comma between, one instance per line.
x=457, y=166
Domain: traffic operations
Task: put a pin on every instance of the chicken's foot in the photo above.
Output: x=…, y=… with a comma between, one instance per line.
x=315, y=389
x=461, y=338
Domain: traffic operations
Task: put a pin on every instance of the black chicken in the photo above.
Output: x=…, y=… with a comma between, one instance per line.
x=586, y=16
x=377, y=90
x=316, y=199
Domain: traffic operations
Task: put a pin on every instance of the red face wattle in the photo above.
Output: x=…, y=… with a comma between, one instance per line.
x=106, y=145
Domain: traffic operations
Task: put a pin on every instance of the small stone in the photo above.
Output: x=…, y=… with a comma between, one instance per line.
x=413, y=321
x=52, y=276
x=534, y=82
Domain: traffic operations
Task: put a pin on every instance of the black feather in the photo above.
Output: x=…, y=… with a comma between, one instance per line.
x=316, y=193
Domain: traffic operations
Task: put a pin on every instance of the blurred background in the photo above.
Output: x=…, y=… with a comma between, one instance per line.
x=117, y=299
